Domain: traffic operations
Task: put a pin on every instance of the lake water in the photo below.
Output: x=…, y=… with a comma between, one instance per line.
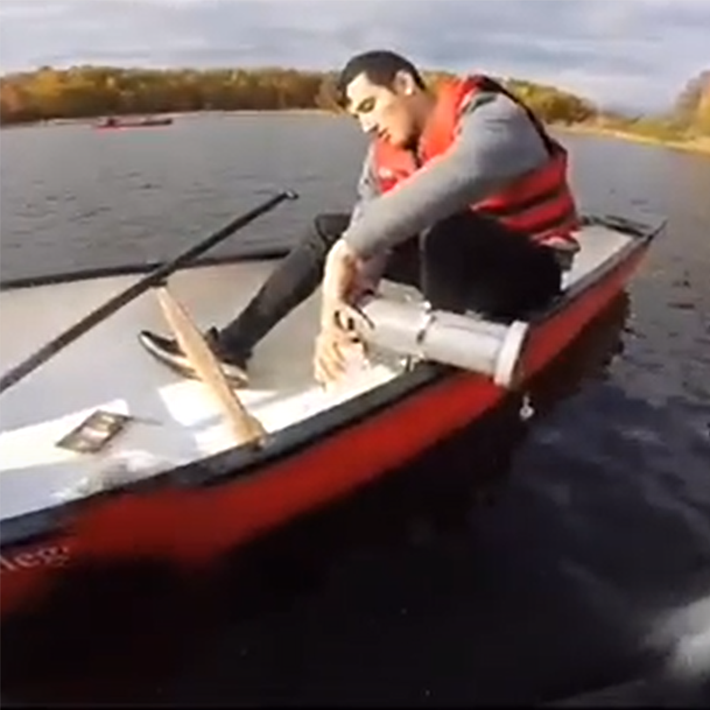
x=589, y=567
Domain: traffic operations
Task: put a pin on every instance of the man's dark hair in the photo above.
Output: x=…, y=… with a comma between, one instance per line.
x=380, y=66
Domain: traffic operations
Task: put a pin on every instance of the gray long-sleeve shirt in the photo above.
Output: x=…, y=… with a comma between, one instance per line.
x=496, y=142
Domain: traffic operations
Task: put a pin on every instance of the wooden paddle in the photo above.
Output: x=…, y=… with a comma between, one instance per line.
x=245, y=428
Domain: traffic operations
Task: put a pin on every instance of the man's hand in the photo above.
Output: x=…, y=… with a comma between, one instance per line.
x=336, y=340
x=334, y=348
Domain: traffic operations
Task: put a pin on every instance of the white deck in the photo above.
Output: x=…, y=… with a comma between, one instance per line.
x=177, y=419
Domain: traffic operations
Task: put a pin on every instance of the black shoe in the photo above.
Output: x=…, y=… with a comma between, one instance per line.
x=167, y=350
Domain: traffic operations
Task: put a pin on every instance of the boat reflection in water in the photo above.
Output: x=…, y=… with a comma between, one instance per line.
x=132, y=631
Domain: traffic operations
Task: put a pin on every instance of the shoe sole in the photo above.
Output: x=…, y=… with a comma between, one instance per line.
x=234, y=375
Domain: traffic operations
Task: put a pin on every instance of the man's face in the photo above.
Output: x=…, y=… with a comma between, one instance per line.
x=383, y=112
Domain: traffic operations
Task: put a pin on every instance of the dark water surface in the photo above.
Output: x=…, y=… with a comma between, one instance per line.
x=525, y=561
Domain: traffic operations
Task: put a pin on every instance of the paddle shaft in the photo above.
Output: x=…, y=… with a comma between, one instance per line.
x=245, y=428
x=110, y=307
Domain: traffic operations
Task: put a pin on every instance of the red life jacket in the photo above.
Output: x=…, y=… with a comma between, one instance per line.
x=539, y=204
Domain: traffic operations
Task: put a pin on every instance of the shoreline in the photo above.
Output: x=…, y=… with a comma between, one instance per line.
x=176, y=116
x=699, y=146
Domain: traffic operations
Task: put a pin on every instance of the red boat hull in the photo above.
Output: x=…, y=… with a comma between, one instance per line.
x=194, y=526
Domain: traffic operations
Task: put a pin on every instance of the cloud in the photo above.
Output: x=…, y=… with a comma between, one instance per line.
x=623, y=52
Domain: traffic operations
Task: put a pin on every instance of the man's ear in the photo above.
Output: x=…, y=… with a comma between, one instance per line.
x=404, y=83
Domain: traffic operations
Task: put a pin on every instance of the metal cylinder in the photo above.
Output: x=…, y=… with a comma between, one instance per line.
x=412, y=329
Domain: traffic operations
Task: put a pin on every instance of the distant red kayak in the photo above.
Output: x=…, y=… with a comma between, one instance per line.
x=133, y=123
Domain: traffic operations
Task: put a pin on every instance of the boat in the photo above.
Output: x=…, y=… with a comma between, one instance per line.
x=110, y=457
x=113, y=122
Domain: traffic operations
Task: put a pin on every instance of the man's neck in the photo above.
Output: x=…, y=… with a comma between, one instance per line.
x=424, y=105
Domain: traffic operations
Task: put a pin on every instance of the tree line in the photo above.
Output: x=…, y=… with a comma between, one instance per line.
x=687, y=119
x=90, y=91
x=87, y=92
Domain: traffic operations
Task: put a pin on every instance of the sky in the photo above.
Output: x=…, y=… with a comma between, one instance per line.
x=633, y=54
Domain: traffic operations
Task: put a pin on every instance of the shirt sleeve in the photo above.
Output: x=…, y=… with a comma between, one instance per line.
x=495, y=142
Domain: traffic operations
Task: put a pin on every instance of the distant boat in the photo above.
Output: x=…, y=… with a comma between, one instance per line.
x=113, y=122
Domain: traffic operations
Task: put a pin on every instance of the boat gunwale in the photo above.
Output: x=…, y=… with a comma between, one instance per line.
x=241, y=461
x=65, y=277
x=255, y=252
x=641, y=236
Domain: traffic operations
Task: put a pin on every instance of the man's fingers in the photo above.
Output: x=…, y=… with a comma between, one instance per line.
x=333, y=352
x=336, y=359
x=325, y=369
x=330, y=362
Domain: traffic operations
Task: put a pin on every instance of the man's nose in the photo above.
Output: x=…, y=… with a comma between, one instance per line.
x=368, y=124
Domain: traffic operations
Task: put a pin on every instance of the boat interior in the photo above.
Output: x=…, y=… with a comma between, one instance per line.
x=173, y=419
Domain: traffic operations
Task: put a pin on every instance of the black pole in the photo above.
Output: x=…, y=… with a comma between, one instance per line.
x=132, y=292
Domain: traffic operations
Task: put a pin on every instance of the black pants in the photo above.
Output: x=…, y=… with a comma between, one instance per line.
x=464, y=262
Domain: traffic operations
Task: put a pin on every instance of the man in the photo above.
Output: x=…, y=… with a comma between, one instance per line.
x=462, y=194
